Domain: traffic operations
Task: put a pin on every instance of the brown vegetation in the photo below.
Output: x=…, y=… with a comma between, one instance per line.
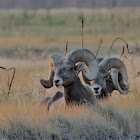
x=21, y=117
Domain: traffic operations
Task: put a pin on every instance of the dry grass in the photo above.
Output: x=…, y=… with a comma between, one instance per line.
x=30, y=122
x=21, y=117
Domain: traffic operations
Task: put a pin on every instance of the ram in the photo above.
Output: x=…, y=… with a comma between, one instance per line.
x=64, y=72
x=112, y=76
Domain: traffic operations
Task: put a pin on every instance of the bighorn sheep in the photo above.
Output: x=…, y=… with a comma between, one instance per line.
x=65, y=71
x=112, y=76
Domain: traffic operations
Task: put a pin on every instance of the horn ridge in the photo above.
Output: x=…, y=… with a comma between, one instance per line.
x=85, y=55
x=113, y=62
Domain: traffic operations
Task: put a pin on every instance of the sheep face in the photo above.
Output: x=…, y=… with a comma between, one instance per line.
x=100, y=82
x=66, y=73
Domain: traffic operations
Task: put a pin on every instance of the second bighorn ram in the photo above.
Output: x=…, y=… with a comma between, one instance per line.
x=64, y=72
x=112, y=76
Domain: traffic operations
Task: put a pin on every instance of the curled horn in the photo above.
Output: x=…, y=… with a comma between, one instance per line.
x=84, y=55
x=112, y=62
x=114, y=76
x=53, y=62
x=100, y=59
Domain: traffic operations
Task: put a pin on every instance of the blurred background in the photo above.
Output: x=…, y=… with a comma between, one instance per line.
x=29, y=27
x=37, y=4
x=31, y=30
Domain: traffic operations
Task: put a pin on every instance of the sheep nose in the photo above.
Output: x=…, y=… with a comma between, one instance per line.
x=96, y=88
x=56, y=81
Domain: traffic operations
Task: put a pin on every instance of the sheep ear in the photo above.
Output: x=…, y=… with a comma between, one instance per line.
x=80, y=67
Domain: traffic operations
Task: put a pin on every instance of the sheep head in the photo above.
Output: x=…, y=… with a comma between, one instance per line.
x=99, y=83
x=66, y=73
x=66, y=69
x=119, y=76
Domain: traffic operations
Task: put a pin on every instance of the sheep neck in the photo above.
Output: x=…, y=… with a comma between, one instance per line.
x=75, y=93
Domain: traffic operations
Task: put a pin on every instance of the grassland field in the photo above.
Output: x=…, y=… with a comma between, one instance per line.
x=27, y=38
